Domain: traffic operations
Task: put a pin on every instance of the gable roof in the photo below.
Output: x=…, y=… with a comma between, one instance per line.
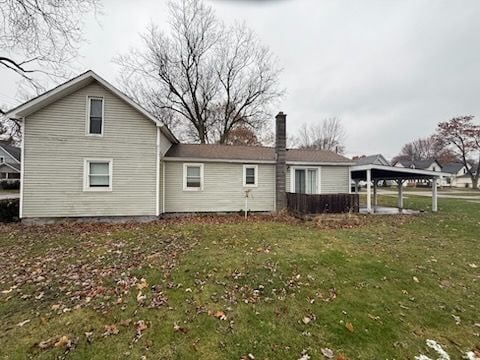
x=453, y=167
x=377, y=159
x=251, y=153
x=14, y=151
x=75, y=84
x=417, y=164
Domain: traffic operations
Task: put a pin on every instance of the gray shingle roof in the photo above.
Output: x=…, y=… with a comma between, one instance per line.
x=452, y=168
x=254, y=153
x=418, y=164
x=377, y=159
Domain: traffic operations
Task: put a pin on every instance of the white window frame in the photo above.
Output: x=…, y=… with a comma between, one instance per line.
x=87, y=126
x=292, y=176
x=86, y=175
x=245, y=167
x=185, y=166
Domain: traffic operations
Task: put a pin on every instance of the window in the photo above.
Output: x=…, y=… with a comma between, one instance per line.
x=2, y=159
x=192, y=177
x=250, y=175
x=305, y=181
x=98, y=175
x=95, y=116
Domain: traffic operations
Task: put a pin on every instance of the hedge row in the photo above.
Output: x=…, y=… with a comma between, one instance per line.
x=9, y=210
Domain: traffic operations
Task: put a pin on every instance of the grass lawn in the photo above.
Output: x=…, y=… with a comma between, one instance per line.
x=377, y=288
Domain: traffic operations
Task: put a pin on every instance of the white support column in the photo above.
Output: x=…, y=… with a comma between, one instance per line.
x=369, y=191
x=400, y=194
x=434, y=195
x=375, y=200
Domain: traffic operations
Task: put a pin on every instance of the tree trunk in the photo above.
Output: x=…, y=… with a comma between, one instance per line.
x=475, y=183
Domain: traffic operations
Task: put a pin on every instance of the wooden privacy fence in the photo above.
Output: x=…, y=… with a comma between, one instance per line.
x=307, y=204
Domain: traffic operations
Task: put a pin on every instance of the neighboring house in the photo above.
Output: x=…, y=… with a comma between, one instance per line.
x=9, y=161
x=459, y=176
x=428, y=164
x=376, y=159
x=90, y=151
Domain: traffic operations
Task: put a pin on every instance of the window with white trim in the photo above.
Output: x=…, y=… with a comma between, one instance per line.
x=250, y=175
x=305, y=180
x=95, y=116
x=98, y=175
x=192, y=177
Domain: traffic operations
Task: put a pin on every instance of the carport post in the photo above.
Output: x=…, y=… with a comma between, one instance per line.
x=400, y=194
x=369, y=191
x=434, y=195
x=375, y=202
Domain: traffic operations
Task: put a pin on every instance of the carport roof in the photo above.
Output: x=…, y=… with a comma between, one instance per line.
x=383, y=172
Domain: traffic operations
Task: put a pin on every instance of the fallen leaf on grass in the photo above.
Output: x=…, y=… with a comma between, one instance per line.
x=140, y=327
x=63, y=341
x=220, y=315
x=110, y=330
x=306, y=320
x=142, y=284
x=24, y=322
x=328, y=353
x=179, y=328
x=45, y=344
x=349, y=327
x=473, y=266
x=89, y=336
x=457, y=319
x=416, y=279
x=141, y=298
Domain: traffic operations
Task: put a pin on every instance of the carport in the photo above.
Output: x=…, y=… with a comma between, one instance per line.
x=372, y=174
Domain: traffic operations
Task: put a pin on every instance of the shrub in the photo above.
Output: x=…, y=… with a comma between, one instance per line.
x=10, y=184
x=9, y=210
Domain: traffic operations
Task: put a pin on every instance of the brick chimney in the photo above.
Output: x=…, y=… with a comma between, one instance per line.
x=280, y=158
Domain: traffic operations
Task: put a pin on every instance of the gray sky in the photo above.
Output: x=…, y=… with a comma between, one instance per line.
x=389, y=69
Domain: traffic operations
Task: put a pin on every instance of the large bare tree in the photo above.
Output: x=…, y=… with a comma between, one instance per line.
x=328, y=134
x=463, y=135
x=37, y=39
x=203, y=77
x=426, y=148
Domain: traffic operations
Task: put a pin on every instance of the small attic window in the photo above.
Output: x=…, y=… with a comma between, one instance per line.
x=95, y=116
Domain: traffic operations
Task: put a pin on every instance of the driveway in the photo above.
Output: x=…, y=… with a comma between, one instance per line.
x=4, y=195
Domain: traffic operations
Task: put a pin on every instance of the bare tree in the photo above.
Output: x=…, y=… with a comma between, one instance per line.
x=37, y=39
x=210, y=78
x=242, y=135
x=426, y=148
x=463, y=135
x=328, y=134
x=40, y=36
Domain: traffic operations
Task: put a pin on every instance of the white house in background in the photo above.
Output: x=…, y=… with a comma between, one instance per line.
x=90, y=151
x=428, y=164
x=459, y=176
x=10, y=157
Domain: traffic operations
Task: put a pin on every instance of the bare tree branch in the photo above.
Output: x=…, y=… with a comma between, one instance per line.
x=329, y=134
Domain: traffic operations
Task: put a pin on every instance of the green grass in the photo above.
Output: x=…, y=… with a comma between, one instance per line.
x=266, y=275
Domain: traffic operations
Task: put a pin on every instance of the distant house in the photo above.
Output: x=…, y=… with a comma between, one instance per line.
x=9, y=161
x=428, y=164
x=376, y=159
x=459, y=176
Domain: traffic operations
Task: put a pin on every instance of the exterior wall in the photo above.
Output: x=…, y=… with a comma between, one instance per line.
x=164, y=144
x=222, y=189
x=333, y=179
x=55, y=146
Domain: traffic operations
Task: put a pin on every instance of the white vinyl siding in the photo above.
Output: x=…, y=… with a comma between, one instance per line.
x=55, y=147
x=223, y=189
x=333, y=179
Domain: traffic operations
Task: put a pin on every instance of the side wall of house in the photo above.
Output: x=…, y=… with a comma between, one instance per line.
x=222, y=189
x=56, y=145
x=333, y=179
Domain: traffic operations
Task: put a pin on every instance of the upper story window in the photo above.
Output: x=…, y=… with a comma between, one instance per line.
x=192, y=177
x=250, y=175
x=2, y=159
x=97, y=175
x=95, y=116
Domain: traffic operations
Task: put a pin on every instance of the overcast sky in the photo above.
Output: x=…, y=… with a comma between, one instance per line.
x=390, y=70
